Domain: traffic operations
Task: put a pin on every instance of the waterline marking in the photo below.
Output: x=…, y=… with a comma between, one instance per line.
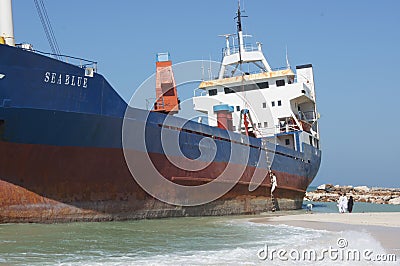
x=339, y=253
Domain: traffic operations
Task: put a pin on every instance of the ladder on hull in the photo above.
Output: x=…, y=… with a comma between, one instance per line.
x=273, y=203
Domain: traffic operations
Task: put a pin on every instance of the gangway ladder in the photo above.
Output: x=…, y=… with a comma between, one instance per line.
x=273, y=203
x=269, y=158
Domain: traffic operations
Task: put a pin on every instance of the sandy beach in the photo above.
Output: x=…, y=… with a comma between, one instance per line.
x=383, y=226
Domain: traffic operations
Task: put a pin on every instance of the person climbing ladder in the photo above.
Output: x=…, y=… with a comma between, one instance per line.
x=273, y=187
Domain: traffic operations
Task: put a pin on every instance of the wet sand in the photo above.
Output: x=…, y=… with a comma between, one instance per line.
x=383, y=226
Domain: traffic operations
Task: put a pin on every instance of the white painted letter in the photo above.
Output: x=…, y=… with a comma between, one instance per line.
x=84, y=82
x=53, y=77
x=79, y=81
x=66, y=80
x=47, y=77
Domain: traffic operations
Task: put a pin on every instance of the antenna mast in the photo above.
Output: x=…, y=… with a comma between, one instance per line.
x=240, y=32
x=237, y=57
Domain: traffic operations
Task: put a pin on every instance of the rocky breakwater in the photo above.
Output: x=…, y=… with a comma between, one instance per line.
x=330, y=193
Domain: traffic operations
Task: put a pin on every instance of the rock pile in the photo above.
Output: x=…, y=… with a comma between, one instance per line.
x=330, y=193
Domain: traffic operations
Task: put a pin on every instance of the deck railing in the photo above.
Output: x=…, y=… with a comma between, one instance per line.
x=80, y=62
x=248, y=47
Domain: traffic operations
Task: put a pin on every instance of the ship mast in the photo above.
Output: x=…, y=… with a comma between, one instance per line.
x=233, y=58
x=240, y=32
x=6, y=22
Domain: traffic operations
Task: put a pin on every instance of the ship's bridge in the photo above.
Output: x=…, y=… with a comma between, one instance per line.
x=280, y=102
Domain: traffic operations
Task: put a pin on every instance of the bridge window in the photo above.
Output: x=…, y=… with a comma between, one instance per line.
x=238, y=108
x=263, y=85
x=228, y=90
x=273, y=104
x=265, y=124
x=279, y=103
x=280, y=82
x=264, y=105
x=212, y=92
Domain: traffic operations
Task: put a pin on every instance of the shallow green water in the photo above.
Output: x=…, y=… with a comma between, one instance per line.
x=175, y=241
x=358, y=207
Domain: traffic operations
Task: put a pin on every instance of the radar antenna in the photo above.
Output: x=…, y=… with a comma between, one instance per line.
x=228, y=46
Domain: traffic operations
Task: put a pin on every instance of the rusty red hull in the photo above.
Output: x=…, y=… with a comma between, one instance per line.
x=43, y=183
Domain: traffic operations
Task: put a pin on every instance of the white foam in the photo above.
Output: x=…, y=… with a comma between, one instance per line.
x=229, y=242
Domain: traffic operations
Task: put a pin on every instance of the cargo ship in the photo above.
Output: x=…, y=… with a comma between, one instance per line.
x=71, y=149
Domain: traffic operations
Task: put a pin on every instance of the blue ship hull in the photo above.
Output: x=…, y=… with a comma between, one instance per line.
x=62, y=159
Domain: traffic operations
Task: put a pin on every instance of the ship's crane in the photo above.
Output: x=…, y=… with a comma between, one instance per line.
x=166, y=94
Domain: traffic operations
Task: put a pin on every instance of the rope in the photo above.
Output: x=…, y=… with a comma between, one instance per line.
x=50, y=27
x=45, y=20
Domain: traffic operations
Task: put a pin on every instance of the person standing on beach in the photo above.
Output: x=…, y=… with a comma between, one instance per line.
x=350, y=204
x=345, y=201
x=339, y=202
x=342, y=203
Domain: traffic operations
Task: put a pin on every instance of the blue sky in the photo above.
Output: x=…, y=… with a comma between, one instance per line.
x=353, y=46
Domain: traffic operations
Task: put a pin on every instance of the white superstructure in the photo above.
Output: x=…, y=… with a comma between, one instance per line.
x=280, y=102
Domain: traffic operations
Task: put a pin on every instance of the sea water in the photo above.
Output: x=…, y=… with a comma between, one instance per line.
x=176, y=241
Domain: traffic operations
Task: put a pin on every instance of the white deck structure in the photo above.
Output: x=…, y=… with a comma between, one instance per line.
x=281, y=102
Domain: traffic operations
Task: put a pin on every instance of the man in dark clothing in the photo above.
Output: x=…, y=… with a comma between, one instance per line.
x=350, y=204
